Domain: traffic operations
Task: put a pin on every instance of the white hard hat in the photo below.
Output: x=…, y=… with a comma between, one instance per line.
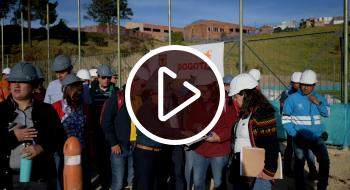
x=241, y=82
x=308, y=77
x=84, y=74
x=204, y=78
x=93, y=72
x=255, y=73
x=295, y=77
x=6, y=71
x=143, y=73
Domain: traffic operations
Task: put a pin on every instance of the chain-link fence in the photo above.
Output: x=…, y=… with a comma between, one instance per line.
x=277, y=58
x=88, y=62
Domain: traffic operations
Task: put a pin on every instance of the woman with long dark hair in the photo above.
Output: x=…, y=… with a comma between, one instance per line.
x=75, y=118
x=255, y=128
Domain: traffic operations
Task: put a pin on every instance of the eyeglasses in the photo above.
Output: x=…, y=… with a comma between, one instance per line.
x=108, y=78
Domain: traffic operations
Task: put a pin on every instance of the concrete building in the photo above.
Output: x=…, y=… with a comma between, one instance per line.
x=159, y=32
x=113, y=30
x=211, y=30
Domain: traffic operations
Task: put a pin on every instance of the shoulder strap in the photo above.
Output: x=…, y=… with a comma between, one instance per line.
x=121, y=99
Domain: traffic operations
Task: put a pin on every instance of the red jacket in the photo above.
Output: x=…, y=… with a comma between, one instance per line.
x=222, y=128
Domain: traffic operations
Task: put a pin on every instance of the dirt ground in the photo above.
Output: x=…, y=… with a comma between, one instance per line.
x=339, y=178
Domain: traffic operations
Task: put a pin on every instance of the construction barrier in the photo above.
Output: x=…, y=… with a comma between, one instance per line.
x=72, y=172
x=337, y=124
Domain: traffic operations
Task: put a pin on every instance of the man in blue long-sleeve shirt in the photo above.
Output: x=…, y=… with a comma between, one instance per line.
x=301, y=118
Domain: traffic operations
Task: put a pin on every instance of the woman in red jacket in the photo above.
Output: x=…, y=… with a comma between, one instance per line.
x=215, y=149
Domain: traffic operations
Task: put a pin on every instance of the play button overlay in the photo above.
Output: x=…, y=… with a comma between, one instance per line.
x=174, y=95
x=196, y=91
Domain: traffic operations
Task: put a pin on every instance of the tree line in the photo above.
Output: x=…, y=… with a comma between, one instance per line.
x=100, y=11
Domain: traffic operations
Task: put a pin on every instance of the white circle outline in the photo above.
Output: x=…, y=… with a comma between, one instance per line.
x=154, y=52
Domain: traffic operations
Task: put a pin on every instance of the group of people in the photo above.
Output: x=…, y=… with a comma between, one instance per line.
x=89, y=106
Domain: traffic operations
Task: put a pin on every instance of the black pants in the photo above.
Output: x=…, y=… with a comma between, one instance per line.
x=173, y=162
x=288, y=154
x=147, y=169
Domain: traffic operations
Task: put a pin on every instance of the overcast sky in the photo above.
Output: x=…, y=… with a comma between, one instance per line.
x=184, y=12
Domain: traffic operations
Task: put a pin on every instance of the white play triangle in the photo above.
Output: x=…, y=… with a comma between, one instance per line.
x=196, y=91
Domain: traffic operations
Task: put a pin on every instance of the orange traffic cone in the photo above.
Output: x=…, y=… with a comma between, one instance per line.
x=72, y=172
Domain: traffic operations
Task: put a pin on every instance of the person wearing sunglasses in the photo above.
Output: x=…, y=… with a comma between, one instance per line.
x=99, y=94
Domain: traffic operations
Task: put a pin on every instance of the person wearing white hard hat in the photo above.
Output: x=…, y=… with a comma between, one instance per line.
x=85, y=76
x=301, y=118
x=4, y=84
x=288, y=152
x=255, y=73
x=93, y=74
x=94, y=77
x=214, y=150
x=255, y=128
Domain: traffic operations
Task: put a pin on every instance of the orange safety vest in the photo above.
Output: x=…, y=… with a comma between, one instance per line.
x=4, y=90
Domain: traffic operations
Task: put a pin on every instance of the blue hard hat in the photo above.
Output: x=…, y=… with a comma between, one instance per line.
x=23, y=72
x=227, y=79
x=61, y=62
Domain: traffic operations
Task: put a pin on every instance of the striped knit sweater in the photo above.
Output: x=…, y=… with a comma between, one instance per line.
x=263, y=134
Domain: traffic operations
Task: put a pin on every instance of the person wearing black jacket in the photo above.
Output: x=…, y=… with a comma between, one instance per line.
x=116, y=125
x=25, y=115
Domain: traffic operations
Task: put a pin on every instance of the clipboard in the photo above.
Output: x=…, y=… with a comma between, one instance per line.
x=253, y=161
x=194, y=142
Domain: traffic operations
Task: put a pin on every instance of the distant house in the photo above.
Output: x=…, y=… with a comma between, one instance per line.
x=264, y=30
x=287, y=24
x=321, y=21
x=325, y=20
x=159, y=32
x=338, y=20
x=207, y=30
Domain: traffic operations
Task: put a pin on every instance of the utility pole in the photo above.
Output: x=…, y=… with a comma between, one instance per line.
x=240, y=36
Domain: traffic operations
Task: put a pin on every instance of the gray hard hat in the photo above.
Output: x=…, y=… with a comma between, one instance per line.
x=23, y=72
x=70, y=79
x=39, y=73
x=104, y=71
x=114, y=72
x=227, y=79
x=61, y=62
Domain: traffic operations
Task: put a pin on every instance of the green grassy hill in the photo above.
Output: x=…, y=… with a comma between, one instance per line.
x=311, y=48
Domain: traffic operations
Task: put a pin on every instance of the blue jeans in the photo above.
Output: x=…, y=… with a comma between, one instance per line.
x=189, y=168
x=118, y=163
x=200, y=167
x=318, y=147
x=262, y=184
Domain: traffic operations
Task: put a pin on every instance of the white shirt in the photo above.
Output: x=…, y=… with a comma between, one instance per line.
x=242, y=135
x=54, y=92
